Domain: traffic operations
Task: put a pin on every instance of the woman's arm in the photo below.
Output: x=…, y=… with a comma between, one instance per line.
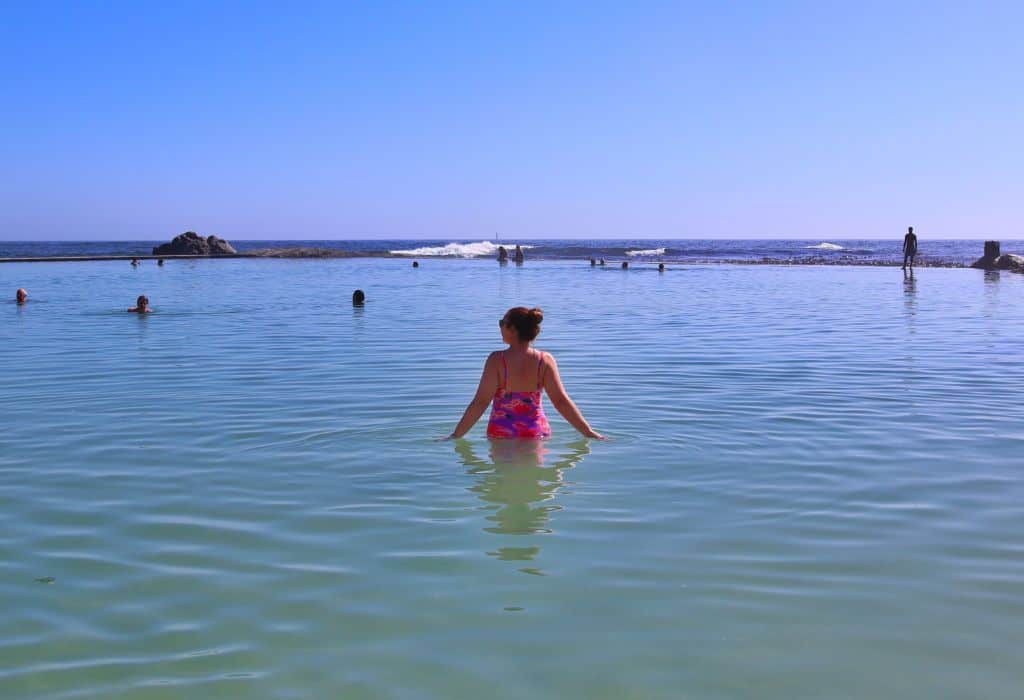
x=484, y=394
x=561, y=401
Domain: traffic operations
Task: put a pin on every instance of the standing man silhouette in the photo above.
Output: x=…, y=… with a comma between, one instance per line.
x=909, y=248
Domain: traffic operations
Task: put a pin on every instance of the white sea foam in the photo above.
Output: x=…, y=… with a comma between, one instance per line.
x=826, y=246
x=458, y=250
x=650, y=251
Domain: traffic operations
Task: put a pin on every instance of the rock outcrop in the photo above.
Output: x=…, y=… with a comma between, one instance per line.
x=1010, y=262
x=191, y=243
x=992, y=260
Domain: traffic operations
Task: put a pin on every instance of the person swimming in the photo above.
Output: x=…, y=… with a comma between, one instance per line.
x=513, y=381
x=520, y=257
x=135, y=262
x=358, y=297
x=160, y=262
x=502, y=254
x=141, y=305
x=21, y=296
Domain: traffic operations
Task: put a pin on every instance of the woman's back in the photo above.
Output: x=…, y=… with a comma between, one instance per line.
x=521, y=371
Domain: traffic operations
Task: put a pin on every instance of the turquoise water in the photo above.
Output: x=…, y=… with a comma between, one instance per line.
x=813, y=486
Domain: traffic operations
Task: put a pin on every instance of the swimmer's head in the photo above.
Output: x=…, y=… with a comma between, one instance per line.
x=415, y=263
x=910, y=229
x=358, y=297
x=625, y=265
x=21, y=295
x=142, y=302
x=661, y=267
x=524, y=322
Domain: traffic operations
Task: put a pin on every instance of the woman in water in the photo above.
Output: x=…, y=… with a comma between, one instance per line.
x=141, y=305
x=513, y=380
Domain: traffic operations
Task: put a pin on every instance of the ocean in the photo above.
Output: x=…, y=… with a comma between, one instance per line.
x=812, y=485
x=843, y=252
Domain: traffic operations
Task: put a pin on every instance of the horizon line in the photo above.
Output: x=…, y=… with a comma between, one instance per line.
x=491, y=240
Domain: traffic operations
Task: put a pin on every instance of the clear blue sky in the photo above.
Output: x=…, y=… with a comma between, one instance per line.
x=555, y=119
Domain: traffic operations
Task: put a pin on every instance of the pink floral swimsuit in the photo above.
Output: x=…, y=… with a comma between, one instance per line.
x=519, y=414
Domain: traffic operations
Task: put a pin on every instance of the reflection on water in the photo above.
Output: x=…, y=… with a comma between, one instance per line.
x=909, y=285
x=910, y=299
x=518, y=487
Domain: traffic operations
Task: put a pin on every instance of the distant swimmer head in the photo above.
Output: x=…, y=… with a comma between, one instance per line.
x=135, y=261
x=524, y=323
x=661, y=267
x=625, y=265
x=141, y=305
x=160, y=262
x=602, y=261
x=415, y=263
x=358, y=297
x=21, y=295
x=592, y=262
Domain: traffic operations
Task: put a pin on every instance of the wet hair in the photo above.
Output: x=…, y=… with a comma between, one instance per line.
x=525, y=321
x=358, y=297
x=625, y=265
x=415, y=263
x=143, y=300
x=661, y=267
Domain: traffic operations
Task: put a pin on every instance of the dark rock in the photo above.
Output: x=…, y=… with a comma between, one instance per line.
x=218, y=246
x=191, y=243
x=1010, y=262
x=1003, y=262
x=988, y=260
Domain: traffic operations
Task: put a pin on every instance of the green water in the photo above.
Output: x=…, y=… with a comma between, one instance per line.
x=813, y=486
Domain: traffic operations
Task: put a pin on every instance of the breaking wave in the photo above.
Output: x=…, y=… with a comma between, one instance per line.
x=457, y=250
x=826, y=246
x=650, y=251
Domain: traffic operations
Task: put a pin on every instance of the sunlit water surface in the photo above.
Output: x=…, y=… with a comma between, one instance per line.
x=813, y=486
